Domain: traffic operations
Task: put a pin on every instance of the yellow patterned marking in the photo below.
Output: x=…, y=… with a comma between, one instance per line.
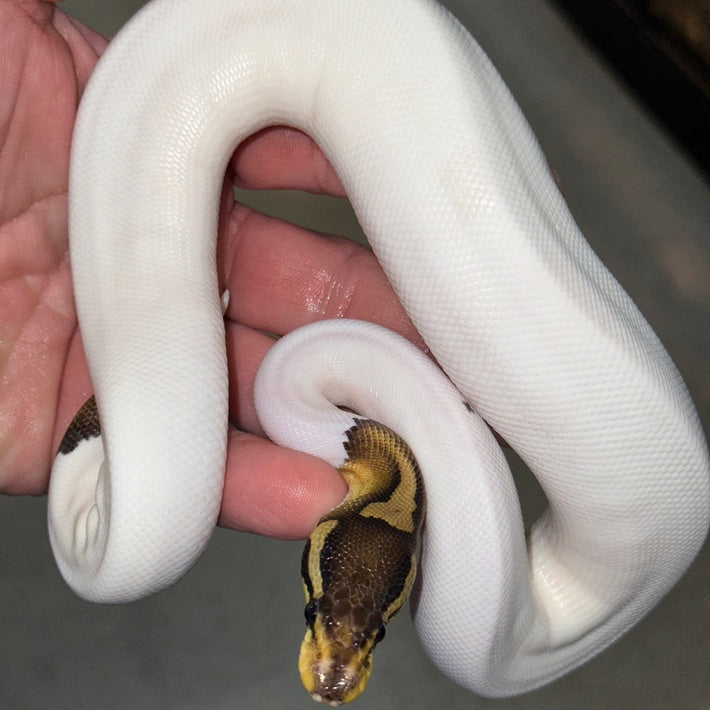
x=318, y=539
x=399, y=510
x=396, y=605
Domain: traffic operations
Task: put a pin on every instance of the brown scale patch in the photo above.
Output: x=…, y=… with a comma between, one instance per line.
x=85, y=425
x=364, y=563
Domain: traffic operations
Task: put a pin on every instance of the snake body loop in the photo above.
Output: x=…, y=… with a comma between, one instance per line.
x=534, y=335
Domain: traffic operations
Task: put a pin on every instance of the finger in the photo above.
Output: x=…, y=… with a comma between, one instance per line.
x=245, y=350
x=281, y=277
x=273, y=491
x=85, y=45
x=283, y=158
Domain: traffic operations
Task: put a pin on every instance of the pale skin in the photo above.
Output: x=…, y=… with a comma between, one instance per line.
x=279, y=277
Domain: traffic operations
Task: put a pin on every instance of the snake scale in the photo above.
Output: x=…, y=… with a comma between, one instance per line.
x=535, y=337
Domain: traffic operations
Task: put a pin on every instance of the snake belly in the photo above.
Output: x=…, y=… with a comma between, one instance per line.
x=530, y=333
x=359, y=563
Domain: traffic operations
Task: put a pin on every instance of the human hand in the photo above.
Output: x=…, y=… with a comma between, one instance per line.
x=279, y=277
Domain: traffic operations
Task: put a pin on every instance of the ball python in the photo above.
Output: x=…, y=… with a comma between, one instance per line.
x=535, y=337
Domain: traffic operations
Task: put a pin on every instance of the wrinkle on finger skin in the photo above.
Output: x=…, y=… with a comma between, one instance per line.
x=38, y=12
x=85, y=45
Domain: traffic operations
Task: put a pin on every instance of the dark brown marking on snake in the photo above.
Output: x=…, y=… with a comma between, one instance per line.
x=85, y=425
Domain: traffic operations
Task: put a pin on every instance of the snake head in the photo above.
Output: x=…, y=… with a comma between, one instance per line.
x=358, y=565
x=336, y=654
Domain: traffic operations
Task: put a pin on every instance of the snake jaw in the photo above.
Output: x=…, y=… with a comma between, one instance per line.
x=337, y=684
x=335, y=665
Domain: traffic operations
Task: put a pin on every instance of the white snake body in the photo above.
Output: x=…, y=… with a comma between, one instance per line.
x=457, y=200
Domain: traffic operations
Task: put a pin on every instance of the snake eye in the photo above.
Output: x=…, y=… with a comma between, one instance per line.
x=310, y=612
x=380, y=634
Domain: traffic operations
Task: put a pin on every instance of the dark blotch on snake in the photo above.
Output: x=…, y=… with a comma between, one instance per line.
x=85, y=425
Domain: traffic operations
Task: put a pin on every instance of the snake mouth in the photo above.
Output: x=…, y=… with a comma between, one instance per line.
x=336, y=683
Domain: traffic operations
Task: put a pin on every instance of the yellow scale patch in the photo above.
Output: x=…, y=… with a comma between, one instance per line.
x=318, y=539
x=399, y=510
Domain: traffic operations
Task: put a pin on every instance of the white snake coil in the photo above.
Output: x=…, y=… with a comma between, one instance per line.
x=456, y=198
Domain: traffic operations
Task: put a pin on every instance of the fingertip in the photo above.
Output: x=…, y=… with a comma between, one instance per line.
x=276, y=492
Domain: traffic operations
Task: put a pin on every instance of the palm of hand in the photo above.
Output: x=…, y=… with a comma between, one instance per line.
x=45, y=64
